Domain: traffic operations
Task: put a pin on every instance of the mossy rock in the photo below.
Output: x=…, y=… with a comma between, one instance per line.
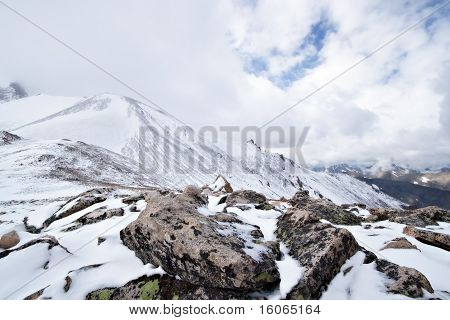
x=102, y=294
x=149, y=290
x=165, y=287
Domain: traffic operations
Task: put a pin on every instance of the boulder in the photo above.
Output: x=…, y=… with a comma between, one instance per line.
x=171, y=233
x=246, y=197
x=399, y=243
x=415, y=217
x=81, y=202
x=165, y=287
x=99, y=215
x=320, y=248
x=435, y=239
x=324, y=209
x=9, y=240
x=133, y=199
x=406, y=281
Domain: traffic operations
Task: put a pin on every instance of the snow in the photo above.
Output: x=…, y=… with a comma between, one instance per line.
x=118, y=264
x=289, y=268
x=266, y=220
x=425, y=179
x=206, y=211
x=218, y=184
x=290, y=273
x=359, y=212
x=213, y=203
x=362, y=282
x=433, y=262
x=20, y=112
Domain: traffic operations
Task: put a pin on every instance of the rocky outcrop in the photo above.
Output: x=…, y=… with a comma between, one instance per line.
x=50, y=240
x=320, y=248
x=100, y=214
x=8, y=138
x=399, y=243
x=81, y=202
x=165, y=287
x=324, y=209
x=84, y=201
x=133, y=198
x=35, y=295
x=439, y=240
x=406, y=281
x=96, y=216
x=246, y=197
x=417, y=217
x=171, y=233
x=9, y=240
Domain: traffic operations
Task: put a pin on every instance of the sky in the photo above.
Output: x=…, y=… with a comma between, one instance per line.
x=242, y=62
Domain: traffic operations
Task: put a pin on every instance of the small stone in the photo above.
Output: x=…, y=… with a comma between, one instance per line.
x=100, y=240
x=68, y=283
x=399, y=243
x=9, y=240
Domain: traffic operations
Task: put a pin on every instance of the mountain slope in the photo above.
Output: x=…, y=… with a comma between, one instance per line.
x=30, y=169
x=168, y=152
x=19, y=112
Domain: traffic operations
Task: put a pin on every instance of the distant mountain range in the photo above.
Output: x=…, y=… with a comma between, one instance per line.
x=418, y=188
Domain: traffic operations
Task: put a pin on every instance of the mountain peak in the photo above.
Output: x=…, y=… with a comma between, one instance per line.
x=13, y=91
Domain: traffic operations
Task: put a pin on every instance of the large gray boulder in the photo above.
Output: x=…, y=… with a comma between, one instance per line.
x=171, y=233
x=320, y=248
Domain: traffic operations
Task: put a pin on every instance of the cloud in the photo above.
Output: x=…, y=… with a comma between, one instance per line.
x=242, y=62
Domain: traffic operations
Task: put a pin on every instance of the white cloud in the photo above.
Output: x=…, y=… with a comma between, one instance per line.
x=192, y=58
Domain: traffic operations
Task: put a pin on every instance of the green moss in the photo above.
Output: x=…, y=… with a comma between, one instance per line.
x=149, y=290
x=176, y=297
x=102, y=294
x=297, y=297
x=257, y=241
x=264, y=277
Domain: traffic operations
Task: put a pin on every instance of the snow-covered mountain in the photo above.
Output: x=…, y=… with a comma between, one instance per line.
x=171, y=157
